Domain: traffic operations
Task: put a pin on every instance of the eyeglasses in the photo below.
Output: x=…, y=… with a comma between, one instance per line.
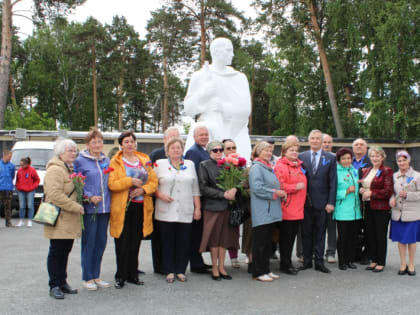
x=230, y=148
x=217, y=150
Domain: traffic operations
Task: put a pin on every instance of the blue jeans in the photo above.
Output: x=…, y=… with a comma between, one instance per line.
x=94, y=237
x=23, y=196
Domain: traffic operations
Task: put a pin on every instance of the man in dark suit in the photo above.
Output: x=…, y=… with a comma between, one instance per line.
x=157, y=154
x=198, y=153
x=321, y=172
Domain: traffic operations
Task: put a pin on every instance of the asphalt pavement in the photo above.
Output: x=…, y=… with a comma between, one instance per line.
x=24, y=286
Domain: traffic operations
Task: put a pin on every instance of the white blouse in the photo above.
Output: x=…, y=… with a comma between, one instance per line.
x=182, y=186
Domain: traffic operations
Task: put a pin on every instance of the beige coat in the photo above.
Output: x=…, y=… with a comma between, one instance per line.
x=407, y=209
x=57, y=187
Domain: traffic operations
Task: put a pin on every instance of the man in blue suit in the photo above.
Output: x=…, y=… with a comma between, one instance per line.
x=198, y=153
x=321, y=172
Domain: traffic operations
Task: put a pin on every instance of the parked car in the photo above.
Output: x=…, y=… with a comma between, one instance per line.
x=40, y=153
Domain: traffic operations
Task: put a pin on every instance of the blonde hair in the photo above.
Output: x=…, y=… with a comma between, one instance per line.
x=378, y=150
x=172, y=141
x=287, y=145
x=261, y=145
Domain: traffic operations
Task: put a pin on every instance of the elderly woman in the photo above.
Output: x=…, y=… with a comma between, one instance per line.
x=265, y=209
x=94, y=164
x=177, y=204
x=60, y=191
x=377, y=188
x=229, y=147
x=218, y=234
x=293, y=181
x=27, y=180
x=347, y=209
x=132, y=184
x=405, y=203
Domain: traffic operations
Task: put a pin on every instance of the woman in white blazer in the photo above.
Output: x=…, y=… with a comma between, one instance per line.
x=177, y=204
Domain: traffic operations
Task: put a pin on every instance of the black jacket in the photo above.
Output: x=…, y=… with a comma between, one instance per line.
x=212, y=196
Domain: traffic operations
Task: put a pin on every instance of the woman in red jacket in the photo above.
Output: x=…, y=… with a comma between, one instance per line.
x=27, y=181
x=377, y=188
x=292, y=179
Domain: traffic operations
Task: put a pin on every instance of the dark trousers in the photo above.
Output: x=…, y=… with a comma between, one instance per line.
x=58, y=255
x=346, y=243
x=288, y=232
x=261, y=249
x=299, y=236
x=6, y=200
x=314, y=228
x=377, y=229
x=331, y=236
x=127, y=246
x=94, y=237
x=156, y=248
x=196, y=260
x=175, y=238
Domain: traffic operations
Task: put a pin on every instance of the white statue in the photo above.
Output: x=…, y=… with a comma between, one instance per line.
x=220, y=96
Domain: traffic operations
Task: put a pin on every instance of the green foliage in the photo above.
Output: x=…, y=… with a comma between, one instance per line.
x=20, y=117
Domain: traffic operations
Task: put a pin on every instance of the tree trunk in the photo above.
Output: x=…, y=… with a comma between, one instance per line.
x=165, y=95
x=326, y=70
x=95, y=100
x=12, y=90
x=203, y=35
x=5, y=56
x=120, y=104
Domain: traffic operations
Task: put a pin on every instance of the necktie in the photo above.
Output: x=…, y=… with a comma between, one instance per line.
x=313, y=162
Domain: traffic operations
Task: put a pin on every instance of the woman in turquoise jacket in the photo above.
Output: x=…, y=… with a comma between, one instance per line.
x=347, y=208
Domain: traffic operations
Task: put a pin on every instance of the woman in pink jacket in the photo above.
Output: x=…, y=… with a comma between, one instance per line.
x=292, y=179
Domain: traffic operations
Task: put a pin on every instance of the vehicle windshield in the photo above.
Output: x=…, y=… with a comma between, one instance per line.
x=39, y=157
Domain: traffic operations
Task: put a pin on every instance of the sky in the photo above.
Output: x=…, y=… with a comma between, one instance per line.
x=137, y=12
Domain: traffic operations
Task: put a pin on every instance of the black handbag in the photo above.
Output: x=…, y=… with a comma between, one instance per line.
x=239, y=210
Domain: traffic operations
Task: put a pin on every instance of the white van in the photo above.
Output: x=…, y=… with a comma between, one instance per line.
x=40, y=153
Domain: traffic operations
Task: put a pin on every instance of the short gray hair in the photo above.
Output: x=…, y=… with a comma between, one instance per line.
x=165, y=133
x=199, y=127
x=359, y=139
x=315, y=131
x=62, y=144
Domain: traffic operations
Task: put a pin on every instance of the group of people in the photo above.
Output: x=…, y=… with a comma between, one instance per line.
x=177, y=197
x=27, y=181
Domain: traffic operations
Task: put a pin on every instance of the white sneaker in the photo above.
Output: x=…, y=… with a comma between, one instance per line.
x=331, y=259
x=20, y=224
x=90, y=285
x=273, y=275
x=29, y=224
x=264, y=278
x=102, y=284
x=235, y=263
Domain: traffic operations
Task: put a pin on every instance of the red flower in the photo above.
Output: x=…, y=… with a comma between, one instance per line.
x=155, y=164
x=221, y=162
x=149, y=163
x=241, y=162
x=108, y=170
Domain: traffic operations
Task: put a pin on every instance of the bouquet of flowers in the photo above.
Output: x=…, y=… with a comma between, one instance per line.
x=139, y=173
x=79, y=183
x=232, y=172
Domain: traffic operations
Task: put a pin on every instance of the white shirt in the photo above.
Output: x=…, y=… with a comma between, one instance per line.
x=182, y=186
x=317, y=157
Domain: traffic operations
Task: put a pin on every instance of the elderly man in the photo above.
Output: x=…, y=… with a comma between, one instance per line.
x=321, y=172
x=7, y=174
x=198, y=153
x=220, y=96
x=157, y=154
x=360, y=161
x=327, y=144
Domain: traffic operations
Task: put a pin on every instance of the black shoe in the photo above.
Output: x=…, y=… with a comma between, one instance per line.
x=351, y=266
x=370, y=267
x=135, y=281
x=378, y=270
x=225, y=277
x=216, y=278
x=68, y=289
x=411, y=273
x=9, y=224
x=140, y=272
x=305, y=266
x=57, y=293
x=289, y=270
x=322, y=268
x=342, y=267
x=202, y=271
x=119, y=283
x=403, y=272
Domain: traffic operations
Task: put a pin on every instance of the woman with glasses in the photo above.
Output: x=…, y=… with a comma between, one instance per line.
x=218, y=234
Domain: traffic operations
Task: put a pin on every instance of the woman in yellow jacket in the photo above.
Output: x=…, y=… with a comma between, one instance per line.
x=132, y=182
